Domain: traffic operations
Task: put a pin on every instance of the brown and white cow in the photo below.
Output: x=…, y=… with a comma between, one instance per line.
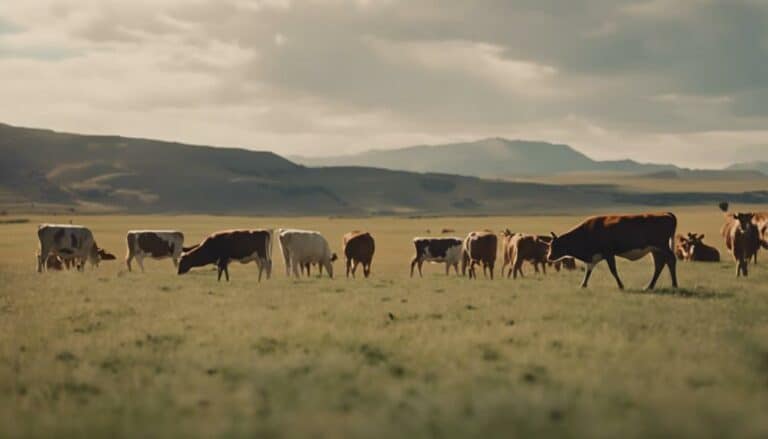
x=223, y=247
x=156, y=244
x=302, y=248
x=479, y=248
x=73, y=244
x=628, y=236
x=742, y=239
x=700, y=252
x=520, y=248
x=682, y=247
x=437, y=250
x=358, y=249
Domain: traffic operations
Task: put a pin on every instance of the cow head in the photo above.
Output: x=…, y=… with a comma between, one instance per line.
x=556, y=250
x=185, y=263
x=334, y=257
x=105, y=255
x=744, y=220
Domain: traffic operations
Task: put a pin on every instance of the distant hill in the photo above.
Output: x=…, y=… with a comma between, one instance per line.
x=47, y=171
x=761, y=166
x=494, y=157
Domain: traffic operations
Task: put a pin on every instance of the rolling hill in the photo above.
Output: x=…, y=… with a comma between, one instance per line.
x=759, y=166
x=50, y=171
x=493, y=157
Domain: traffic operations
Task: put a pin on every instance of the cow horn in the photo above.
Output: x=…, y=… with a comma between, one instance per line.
x=553, y=235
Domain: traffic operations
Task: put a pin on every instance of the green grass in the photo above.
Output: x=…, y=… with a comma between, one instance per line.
x=111, y=353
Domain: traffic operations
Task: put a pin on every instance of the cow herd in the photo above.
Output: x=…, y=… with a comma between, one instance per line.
x=596, y=239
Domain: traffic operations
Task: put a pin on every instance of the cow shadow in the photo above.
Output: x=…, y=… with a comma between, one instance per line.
x=685, y=293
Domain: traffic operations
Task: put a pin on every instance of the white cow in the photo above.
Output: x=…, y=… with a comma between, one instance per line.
x=156, y=244
x=305, y=247
x=71, y=243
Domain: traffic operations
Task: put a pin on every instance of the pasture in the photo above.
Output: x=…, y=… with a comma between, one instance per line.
x=112, y=353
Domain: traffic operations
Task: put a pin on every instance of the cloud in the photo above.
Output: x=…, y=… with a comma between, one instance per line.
x=649, y=79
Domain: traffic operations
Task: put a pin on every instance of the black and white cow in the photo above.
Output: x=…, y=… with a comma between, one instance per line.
x=73, y=244
x=156, y=244
x=437, y=250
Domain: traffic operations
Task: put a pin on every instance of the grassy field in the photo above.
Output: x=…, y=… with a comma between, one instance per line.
x=111, y=353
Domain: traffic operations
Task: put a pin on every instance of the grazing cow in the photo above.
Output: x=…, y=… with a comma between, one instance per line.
x=628, y=236
x=156, y=244
x=742, y=239
x=682, y=246
x=223, y=247
x=358, y=249
x=479, y=248
x=74, y=244
x=437, y=250
x=520, y=248
x=301, y=248
x=700, y=252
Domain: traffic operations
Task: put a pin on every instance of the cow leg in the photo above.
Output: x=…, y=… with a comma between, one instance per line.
x=261, y=268
x=367, y=270
x=611, y=260
x=349, y=263
x=414, y=261
x=128, y=260
x=175, y=262
x=536, y=267
x=587, y=275
x=354, y=268
x=421, y=263
x=328, y=267
x=456, y=268
x=672, y=266
x=140, y=261
x=659, y=261
x=544, y=267
x=296, y=266
x=490, y=269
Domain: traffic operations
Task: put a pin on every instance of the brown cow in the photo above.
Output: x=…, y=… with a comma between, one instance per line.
x=479, y=248
x=628, y=236
x=520, y=248
x=700, y=252
x=358, y=249
x=742, y=238
x=222, y=247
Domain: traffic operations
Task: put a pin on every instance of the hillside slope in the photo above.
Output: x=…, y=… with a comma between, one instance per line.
x=112, y=173
x=494, y=157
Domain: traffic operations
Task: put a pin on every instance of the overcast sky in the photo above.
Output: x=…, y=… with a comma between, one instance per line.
x=682, y=81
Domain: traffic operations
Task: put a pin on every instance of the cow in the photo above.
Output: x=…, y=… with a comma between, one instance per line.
x=682, y=246
x=479, y=248
x=358, y=249
x=742, y=238
x=223, y=247
x=761, y=221
x=156, y=244
x=437, y=250
x=629, y=236
x=301, y=248
x=73, y=244
x=700, y=252
x=520, y=248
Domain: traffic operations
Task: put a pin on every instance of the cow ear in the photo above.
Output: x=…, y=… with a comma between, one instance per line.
x=553, y=235
x=701, y=236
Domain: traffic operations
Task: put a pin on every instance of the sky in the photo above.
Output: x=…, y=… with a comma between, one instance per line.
x=680, y=81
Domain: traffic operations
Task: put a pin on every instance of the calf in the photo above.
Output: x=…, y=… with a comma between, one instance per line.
x=156, y=244
x=742, y=238
x=223, y=247
x=301, y=248
x=700, y=252
x=479, y=248
x=74, y=244
x=437, y=250
x=628, y=236
x=358, y=249
x=521, y=248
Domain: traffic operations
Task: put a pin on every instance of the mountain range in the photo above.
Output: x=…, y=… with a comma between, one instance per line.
x=43, y=169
